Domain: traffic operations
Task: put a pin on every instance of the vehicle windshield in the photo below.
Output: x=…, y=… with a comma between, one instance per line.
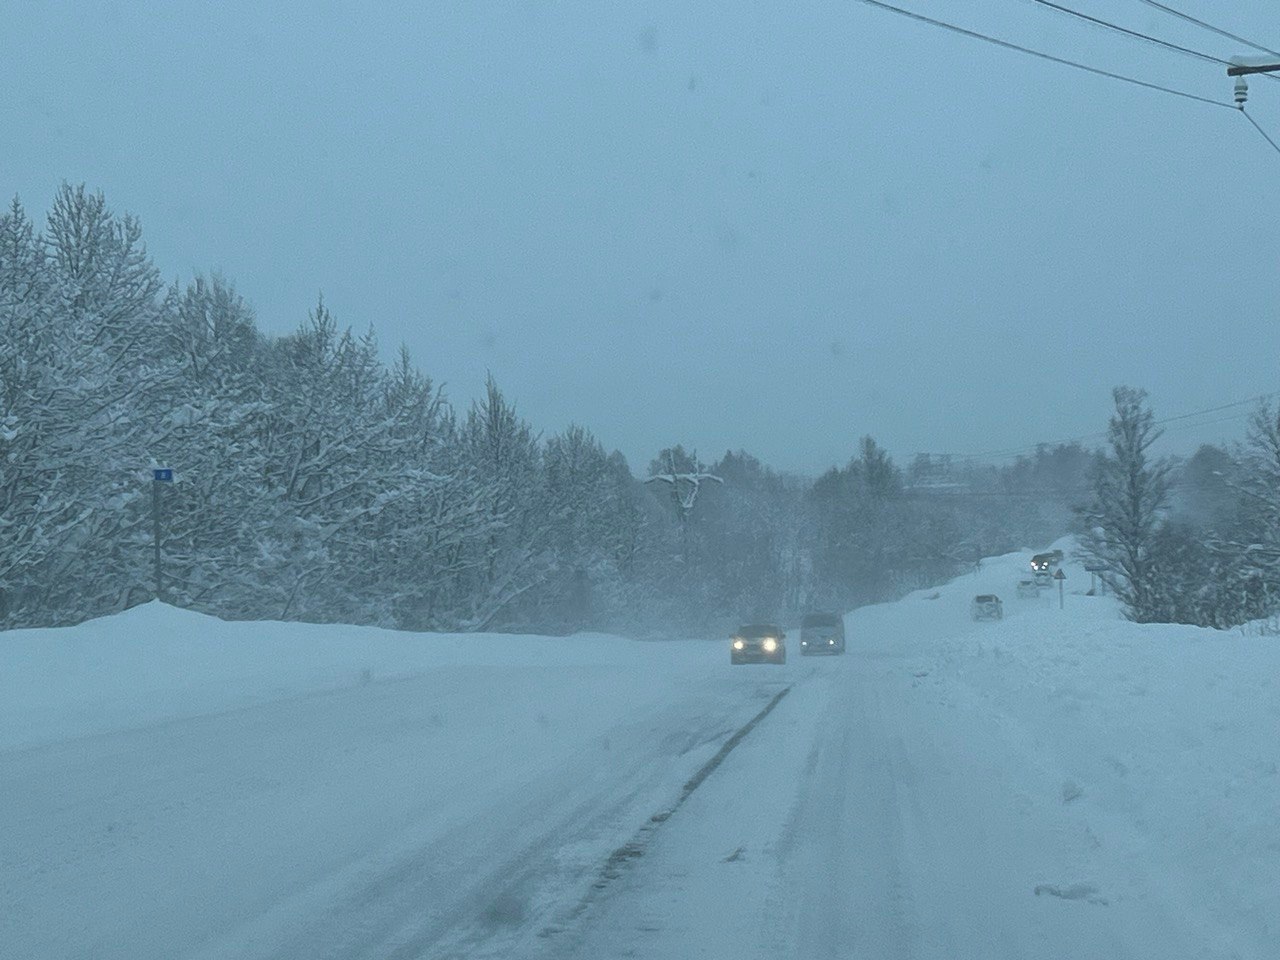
x=402, y=403
x=820, y=620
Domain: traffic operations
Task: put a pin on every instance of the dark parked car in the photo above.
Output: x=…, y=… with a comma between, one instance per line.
x=822, y=633
x=758, y=643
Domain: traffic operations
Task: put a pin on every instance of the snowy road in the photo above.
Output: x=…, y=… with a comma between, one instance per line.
x=1046, y=787
x=862, y=822
x=412, y=817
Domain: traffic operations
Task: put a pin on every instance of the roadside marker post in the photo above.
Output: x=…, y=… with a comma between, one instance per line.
x=159, y=475
x=1060, y=576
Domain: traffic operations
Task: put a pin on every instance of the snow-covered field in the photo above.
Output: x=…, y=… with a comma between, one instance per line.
x=1059, y=784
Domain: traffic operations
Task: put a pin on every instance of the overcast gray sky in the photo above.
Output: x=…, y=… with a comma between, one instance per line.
x=767, y=225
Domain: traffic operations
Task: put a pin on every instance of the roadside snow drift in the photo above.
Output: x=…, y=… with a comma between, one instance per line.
x=1059, y=784
x=155, y=663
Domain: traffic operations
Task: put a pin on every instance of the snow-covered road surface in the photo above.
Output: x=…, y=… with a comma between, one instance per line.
x=865, y=821
x=1059, y=785
x=376, y=819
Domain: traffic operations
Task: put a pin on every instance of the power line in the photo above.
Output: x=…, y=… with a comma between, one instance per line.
x=1208, y=26
x=1007, y=45
x=1264, y=133
x=1225, y=406
x=1011, y=452
x=1209, y=423
x=1138, y=35
x=1107, y=24
x=957, y=491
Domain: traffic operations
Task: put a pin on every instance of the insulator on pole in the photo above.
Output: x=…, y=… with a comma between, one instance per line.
x=1242, y=92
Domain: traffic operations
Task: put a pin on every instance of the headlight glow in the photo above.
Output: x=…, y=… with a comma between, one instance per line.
x=770, y=644
x=738, y=644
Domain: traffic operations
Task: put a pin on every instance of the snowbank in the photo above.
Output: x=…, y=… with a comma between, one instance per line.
x=172, y=785
x=155, y=663
x=1151, y=748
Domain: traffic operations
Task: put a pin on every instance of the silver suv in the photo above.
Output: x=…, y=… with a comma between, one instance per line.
x=987, y=606
x=822, y=633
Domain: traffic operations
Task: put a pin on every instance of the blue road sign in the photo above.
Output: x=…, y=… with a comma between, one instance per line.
x=162, y=475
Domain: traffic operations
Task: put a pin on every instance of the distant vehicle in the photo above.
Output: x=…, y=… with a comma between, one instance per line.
x=758, y=643
x=1028, y=589
x=821, y=633
x=1043, y=566
x=987, y=606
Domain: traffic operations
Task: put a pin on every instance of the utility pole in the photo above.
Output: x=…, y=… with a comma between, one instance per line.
x=1242, y=67
x=684, y=488
x=159, y=476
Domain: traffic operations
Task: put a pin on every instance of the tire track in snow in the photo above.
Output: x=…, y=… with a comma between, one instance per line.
x=501, y=914
x=613, y=867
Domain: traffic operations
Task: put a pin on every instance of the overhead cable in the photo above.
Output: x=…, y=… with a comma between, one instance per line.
x=1208, y=26
x=1011, y=452
x=1007, y=45
x=1218, y=409
x=1107, y=24
x=1266, y=136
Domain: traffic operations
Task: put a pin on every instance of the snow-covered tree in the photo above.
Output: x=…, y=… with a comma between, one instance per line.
x=500, y=453
x=1130, y=494
x=753, y=561
x=207, y=434
x=316, y=482
x=1253, y=538
x=85, y=327
x=861, y=528
x=35, y=516
x=432, y=534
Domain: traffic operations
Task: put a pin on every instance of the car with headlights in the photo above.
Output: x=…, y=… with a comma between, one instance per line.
x=821, y=633
x=758, y=643
x=987, y=606
x=1043, y=566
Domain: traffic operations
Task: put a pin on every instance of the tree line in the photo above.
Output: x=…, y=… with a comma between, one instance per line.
x=317, y=482
x=1194, y=541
